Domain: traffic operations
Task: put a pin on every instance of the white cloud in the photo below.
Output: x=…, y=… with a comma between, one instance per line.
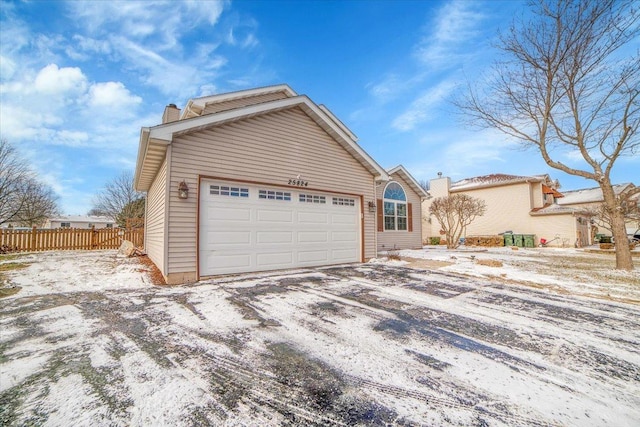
x=160, y=22
x=421, y=110
x=455, y=26
x=112, y=94
x=7, y=67
x=54, y=80
x=70, y=138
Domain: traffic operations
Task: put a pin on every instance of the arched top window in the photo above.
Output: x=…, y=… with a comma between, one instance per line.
x=395, y=208
x=394, y=191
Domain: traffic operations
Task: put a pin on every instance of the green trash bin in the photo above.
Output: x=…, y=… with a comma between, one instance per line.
x=518, y=240
x=508, y=239
x=529, y=240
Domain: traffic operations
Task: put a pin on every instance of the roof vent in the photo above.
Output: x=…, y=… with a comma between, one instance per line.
x=439, y=174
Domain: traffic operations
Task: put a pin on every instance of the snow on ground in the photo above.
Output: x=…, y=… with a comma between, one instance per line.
x=468, y=337
x=576, y=271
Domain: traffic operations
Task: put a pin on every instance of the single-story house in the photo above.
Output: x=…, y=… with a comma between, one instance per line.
x=399, y=202
x=80, y=221
x=260, y=179
x=520, y=204
x=589, y=200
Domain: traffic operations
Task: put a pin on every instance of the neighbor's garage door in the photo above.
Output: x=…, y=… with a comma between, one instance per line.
x=246, y=228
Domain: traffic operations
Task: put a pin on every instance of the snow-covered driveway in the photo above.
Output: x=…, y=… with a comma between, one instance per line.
x=88, y=342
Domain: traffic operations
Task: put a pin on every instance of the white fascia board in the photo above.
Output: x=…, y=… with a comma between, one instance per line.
x=202, y=102
x=142, y=150
x=407, y=176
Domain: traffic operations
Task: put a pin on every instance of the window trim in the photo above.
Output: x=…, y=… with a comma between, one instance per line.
x=395, y=203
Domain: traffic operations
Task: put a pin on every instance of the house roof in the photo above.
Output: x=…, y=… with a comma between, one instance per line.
x=554, y=209
x=195, y=106
x=155, y=140
x=415, y=185
x=494, y=180
x=588, y=195
x=548, y=190
x=83, y=218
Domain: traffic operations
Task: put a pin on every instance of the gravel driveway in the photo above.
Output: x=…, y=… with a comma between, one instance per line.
x=369, y=344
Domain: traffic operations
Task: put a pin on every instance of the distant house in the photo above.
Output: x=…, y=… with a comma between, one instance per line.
x=521, y=204
x=399, y=211
x=80, y=221
x=589, y=199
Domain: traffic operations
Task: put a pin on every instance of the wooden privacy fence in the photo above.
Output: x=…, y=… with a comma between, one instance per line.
x=60, y=239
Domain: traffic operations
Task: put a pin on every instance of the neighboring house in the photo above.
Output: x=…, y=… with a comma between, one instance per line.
x=590, y=199
x=521, y=204
x=80, y=221
x=255, y=180
x=399, y=211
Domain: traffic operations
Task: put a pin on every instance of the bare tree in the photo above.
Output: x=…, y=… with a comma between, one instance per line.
x=455, y=213
x=569, y=84
x=40, y=203
x=13, y=173
x=119, y=200
x=424, y=183
x=23, y=198
x=629, y=207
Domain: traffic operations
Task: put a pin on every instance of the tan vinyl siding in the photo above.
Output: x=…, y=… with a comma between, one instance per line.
x=551, y=226
x=242, y=102
x=401, y=239
x=508, y=208
x=155, y=224
x=271, y=148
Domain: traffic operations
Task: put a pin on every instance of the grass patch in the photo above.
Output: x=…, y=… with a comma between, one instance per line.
x=7, y=289
x=9, y=257
x=10, y=266
x=489, y=262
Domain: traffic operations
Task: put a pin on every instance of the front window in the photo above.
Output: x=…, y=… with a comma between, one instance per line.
x=395, y=208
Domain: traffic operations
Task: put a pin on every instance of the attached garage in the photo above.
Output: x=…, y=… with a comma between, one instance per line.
x=246, y=228
x=256, y=180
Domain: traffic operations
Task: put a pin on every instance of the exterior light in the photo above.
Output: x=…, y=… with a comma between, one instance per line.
x=372, y=207
x=183, y=190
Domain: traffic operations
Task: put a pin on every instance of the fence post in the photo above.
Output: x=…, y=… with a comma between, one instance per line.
x=33, y=238
x=93, y=236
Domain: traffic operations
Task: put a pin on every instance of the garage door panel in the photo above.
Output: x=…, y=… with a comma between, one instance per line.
x=313, y=256
x=266, y=260
x=218, y=213
x=346, y=219
x=272, y=215
x=267, y=237
x=223, y=238
x=313, y=218
x=256, y=233
x=230, y=262
x=344, y=236
x=313, y=237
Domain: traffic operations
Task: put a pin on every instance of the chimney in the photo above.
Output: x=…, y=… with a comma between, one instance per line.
x=171, y=114
x=440, y=186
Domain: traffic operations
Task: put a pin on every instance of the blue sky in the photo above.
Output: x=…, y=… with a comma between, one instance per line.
x=79, y=79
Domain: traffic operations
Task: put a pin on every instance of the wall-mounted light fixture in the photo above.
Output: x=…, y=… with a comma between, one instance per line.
x=372, y=207
x=183, y=190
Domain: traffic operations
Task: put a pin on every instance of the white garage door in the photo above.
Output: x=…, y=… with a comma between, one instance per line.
x=246, y=228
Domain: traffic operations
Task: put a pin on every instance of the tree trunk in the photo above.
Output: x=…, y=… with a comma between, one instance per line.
x=624, y=261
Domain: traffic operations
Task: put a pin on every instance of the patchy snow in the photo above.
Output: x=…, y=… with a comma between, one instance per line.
x=495, y=337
